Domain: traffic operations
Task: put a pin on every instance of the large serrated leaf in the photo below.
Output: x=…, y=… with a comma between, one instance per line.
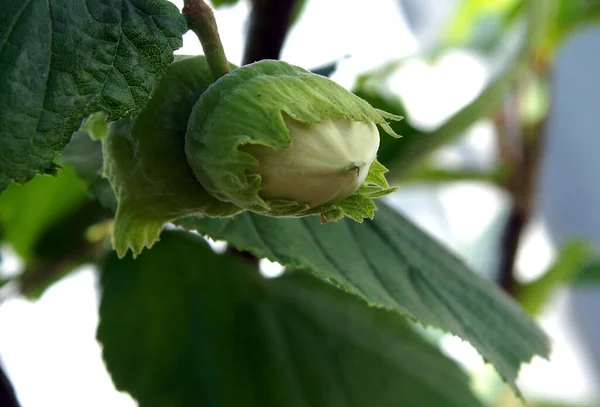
x=391, y=263
x=182, y=326
x=61, y=60
x=411, y=265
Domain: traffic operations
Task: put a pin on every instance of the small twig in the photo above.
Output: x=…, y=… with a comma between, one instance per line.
x=201, y=21
x=270, y=21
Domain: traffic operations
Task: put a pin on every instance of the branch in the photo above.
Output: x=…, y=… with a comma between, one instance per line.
x=521, y=185
x=8, y=398
x=201, y=21
x=270, y=21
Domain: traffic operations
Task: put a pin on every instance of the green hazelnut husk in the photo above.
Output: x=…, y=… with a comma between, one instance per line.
x=267, y=111
x=267, y=137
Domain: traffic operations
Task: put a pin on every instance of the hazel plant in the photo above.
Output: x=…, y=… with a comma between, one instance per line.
x=267, y=137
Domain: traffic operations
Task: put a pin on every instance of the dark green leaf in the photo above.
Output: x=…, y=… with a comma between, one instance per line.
x=85, y=156
x=589, y=274
x=61, y=60
x=391, y=263
x=182, y=326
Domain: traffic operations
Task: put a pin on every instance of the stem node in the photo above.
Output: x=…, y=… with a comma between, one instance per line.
x=201, y=21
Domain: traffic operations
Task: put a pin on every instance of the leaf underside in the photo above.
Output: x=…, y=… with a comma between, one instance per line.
x=391, y=263
x=183, y=326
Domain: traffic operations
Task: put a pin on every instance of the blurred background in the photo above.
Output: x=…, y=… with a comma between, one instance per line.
x=498, y=160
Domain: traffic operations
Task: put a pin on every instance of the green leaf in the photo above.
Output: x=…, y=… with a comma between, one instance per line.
x=84, y=155
x=589, y=274
x=145, y=161
x=391, y=263
x=182, y=326
x=61, y=60
x=570, y=262
x=481, y=22
x=568, y=16
x=435, y=175
x=95, y=125
x=26, y=211
x=220, y=3
x=64, y=246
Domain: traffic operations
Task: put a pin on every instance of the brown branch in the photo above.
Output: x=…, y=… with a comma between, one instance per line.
x=8, y=398
x=521, y=185
x=270, y=21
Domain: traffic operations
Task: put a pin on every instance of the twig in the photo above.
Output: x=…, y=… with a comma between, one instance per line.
x=201, y=21
x=270, y=21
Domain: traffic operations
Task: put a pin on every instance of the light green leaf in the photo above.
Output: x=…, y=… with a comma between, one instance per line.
x=182, y=326
x=72, y=240
x=480, y=21
x=220, y=3
x=573, y=257
x=360, y=205
x=26, y=211
x=144, y=159
x=391, y=263
x=61, y=60
x=95, y=125
x=554, y=404
x=570, y=15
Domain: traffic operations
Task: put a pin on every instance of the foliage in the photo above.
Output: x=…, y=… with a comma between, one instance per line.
x=181, y=325
x=282, y=342
x=61, y=61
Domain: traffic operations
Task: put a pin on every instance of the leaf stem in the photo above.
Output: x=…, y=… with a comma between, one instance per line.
x=201, y=21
